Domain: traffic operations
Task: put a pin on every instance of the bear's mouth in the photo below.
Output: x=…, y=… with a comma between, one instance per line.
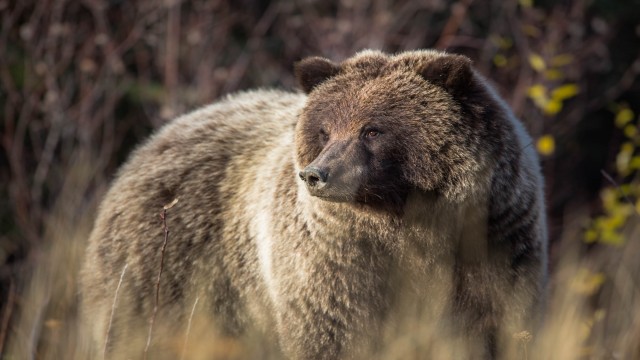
x=389, y=199
x=334, y=198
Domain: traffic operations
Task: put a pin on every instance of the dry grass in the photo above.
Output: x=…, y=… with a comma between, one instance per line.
x=588, y=317
x=574, y=329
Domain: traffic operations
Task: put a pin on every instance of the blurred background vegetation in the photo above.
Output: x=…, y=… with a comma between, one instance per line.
x=83, y=81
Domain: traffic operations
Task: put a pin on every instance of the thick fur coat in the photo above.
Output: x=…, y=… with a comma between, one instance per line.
x=398, y=193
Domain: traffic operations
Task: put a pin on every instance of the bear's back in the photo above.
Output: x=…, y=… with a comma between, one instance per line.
x=205, y=162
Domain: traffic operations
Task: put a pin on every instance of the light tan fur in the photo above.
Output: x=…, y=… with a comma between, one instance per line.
x=436, y=219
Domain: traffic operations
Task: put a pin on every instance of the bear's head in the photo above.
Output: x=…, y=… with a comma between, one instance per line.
x=377, y=126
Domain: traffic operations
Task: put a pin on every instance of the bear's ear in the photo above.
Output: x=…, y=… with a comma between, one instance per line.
x=452, y=72
x=312, y=71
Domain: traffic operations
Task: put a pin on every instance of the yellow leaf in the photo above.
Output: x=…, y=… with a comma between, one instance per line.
x=531, y=30
x=526, y=3
x=622, y=162
x=626, y=189
x=500, y=60
x=599, y=314
x=587, y=282
x=627, y=147
x=590, y=236
x=541, y=102
x=553, y=74
x=614, y=222
x=562, y=60
x=537, y=91
x=586, y=327
x=546, y=145
x=624, y=116
x=565, y=91
x=623, y=158
x=623, y=211
x=630, y=131
x=503, y=43
x=537, y=62
x=553, y=107
x=612, y=237
x=634, y=164
x=609, y=197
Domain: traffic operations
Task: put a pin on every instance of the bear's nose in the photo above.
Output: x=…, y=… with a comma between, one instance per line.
x=313, y=176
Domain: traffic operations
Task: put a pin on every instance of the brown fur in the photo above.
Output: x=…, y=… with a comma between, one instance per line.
x=432, y=206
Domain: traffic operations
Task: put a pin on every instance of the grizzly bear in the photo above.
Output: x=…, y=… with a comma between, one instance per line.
x=396, y=201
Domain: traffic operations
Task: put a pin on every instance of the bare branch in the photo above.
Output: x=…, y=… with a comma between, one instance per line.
x=163, y=216
x=113, y=310
x=8, y=312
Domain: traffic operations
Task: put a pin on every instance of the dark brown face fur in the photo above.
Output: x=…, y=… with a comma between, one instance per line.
x=375, y=126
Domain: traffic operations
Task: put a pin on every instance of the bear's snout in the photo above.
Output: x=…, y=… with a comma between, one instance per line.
x=337, y=173
x=315, y=178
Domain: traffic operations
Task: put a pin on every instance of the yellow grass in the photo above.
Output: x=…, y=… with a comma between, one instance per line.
x=593, y=310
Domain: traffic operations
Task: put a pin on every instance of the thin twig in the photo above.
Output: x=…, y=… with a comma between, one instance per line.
x=186, y=338
x=526, y=146
x=171, y=71
x=163, y=216
x=242, y=64
x=627, y=80
x=617, y=186
x=113, y=310
x=458, y=13
x=8, y=311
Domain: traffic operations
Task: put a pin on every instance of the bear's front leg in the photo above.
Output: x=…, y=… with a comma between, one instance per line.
x=330, y=307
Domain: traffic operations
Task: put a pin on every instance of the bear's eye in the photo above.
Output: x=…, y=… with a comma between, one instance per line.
x=324, y=137
x=372, y=133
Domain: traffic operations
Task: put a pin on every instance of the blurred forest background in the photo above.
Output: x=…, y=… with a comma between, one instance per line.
x=83, y=81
